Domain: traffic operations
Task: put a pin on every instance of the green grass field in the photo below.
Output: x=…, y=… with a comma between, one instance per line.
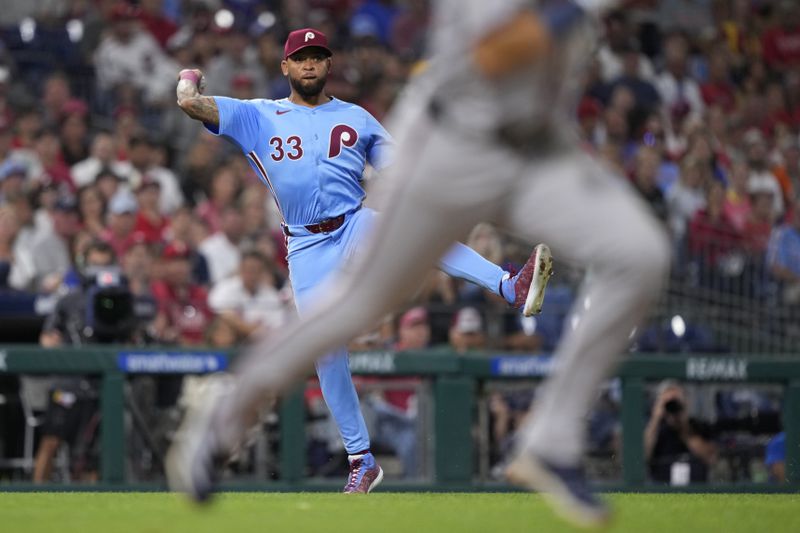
x=383, y=512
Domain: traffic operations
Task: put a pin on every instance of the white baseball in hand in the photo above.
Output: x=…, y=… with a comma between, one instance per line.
x=191, y=82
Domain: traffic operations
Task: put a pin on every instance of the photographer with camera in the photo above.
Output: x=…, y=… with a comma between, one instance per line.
x=100, y=310
x=678, y=448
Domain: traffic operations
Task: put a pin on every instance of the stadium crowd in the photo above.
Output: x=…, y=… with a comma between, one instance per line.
x=697, y=102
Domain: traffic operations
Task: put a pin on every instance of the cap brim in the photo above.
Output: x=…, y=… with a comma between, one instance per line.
x=304, y=46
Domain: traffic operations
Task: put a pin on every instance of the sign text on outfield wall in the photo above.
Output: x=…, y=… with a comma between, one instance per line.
x=372, y=362
x=537, y=365
x=171, y=362
x=716, y=369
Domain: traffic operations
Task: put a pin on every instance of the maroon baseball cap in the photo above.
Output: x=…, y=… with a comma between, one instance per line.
x=304, y=38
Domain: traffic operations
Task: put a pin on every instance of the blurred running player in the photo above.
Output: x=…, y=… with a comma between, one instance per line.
x=485, y=133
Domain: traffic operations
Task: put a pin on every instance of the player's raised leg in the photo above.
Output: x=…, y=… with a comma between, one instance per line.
x=522, y=290
x=627, y=256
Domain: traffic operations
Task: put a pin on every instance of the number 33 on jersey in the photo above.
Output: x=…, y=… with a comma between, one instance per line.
x=311, y=158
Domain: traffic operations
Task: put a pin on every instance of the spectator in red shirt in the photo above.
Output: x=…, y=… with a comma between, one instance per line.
x=183, y=228
x=183, y=312
x=736, y=206
x=711, y=234
x=121, y=233
x=778, y=118
x=781, y=44
x=758, y=228
x=149, y=220
x=718, y=90
x=712, y=237
x=589, y=111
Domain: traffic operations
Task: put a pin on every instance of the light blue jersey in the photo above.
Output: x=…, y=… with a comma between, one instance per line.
x=311, y=158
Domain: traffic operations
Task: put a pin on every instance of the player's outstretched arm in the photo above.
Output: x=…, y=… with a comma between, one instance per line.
x=190, y=98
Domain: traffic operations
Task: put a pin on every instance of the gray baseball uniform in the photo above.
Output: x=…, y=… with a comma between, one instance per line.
x=472, y=150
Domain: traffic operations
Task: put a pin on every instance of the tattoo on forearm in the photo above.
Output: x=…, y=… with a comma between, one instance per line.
x=202, y=108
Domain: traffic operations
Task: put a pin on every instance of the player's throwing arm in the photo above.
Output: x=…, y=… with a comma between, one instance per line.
x=191, y=84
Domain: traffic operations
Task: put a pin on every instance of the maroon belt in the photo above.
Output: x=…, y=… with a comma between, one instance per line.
x=326, y=226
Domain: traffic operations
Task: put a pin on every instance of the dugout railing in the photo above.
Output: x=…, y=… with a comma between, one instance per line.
x=454, y=385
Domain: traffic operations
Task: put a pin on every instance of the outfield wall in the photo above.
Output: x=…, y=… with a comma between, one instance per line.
x=454, y=383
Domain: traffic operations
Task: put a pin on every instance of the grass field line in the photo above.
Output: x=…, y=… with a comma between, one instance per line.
x=384, y=512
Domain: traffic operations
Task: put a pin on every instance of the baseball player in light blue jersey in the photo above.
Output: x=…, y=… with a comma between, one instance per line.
x=311, y=151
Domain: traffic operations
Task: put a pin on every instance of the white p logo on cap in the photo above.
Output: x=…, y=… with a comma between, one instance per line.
x=309, y=35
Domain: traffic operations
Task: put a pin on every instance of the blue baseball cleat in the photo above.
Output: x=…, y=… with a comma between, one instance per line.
x=565, y=488
x=365, y=474
x=526, y=288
